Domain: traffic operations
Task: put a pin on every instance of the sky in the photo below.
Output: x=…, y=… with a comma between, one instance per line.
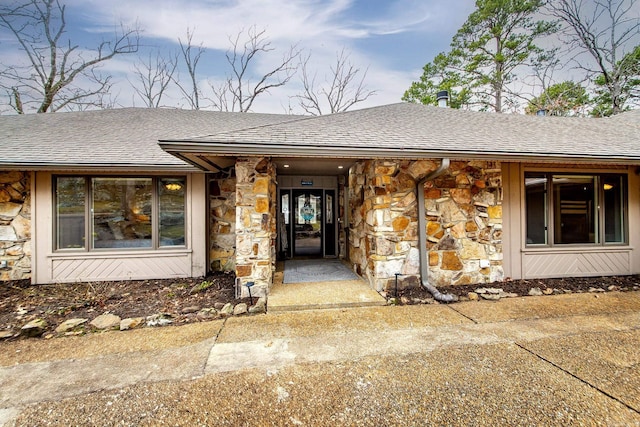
x=389, y=39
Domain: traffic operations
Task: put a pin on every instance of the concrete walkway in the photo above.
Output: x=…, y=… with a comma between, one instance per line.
x=324, y=293
x=555, y=360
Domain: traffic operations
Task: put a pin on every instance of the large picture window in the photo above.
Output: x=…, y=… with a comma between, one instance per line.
x=119, y=212
x=564, y=209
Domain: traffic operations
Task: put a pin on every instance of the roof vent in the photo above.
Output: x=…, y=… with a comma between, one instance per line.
x=443, y=98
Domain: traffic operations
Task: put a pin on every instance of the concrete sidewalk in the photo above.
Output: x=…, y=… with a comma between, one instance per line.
x=555, y=360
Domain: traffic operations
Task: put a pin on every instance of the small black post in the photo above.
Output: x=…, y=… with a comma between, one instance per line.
x=249, y=285
x=396, y=293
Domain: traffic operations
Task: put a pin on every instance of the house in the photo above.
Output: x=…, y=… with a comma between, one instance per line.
x=438, y=196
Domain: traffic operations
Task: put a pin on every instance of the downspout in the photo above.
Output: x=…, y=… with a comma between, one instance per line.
x=422, y=236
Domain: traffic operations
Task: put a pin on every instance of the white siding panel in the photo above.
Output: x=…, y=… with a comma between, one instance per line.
x=563, y=264
x=106, y=268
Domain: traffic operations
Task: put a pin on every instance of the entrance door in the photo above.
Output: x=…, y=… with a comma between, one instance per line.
x=307, y=222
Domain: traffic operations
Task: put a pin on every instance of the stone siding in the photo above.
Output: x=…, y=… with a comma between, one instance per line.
x=15, y=225
x=222, y=222
x=255, y=223
x=464, y=222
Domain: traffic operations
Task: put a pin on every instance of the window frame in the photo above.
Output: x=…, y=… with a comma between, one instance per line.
x=550, y=207
x=89, y=220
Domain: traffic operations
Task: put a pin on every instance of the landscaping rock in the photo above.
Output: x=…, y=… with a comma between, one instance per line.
x=131, y=323
x=547, y=291
x=35, y=328
x=106, y=321
x=596, y=290
x=491, y=297
x=160, y=319
x=473, y=296
x=70, y=324
x=508, y=295
x=260, y=306
x=5, y=334
x=207, y=314
x=240, y=309
x=493, y=291
x=227, y=309
x=190, y=309
x=535, y=292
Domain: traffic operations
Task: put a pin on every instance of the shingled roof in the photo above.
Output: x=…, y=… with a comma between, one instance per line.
x=412, y=131
x=111, y=139
x=128, y=138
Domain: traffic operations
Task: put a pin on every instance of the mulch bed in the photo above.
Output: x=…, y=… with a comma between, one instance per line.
x=181, y=299
x=522, y=287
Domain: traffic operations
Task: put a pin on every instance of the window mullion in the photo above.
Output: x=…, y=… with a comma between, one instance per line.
x=155, y=216
x=88, y=226
x=550, y=229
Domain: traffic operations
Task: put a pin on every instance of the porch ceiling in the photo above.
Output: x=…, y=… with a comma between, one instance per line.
x=284, y=165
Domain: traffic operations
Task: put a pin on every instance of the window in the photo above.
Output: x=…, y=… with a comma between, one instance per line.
x=575, y=208
x=119, y=212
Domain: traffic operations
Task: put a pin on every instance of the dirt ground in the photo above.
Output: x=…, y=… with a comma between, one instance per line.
x=548, y=286
x=182, y=300
x=177, y=299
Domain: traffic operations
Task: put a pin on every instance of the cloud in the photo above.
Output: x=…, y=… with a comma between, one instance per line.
x=320, y=27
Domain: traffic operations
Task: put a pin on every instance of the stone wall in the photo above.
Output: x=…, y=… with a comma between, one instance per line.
x=15, y=225
x=255, y=223
x=222, y=222
x=464, y=222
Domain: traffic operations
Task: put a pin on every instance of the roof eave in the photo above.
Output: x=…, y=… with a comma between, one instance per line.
x=179, y=148
x=114, y=167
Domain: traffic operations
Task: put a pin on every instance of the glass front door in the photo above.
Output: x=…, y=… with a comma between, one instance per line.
x=307, y=215
x=307, y=223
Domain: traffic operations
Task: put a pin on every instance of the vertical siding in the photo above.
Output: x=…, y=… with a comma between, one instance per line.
x=511, y=206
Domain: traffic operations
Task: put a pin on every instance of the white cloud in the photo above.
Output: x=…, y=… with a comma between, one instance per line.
x=320, y=27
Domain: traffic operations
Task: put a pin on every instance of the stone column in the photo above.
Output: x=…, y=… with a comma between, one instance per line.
x=222, y=222
x=255, y=223
x=15, y=225
x=384, y=222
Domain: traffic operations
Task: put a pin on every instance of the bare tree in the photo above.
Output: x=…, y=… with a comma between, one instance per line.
x=240, y=89
x=46, y=81
x=191, y=55
x=339, y=92
x=153, y=77
x=607, y=31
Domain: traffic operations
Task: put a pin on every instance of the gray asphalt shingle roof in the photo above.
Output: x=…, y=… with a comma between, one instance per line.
x=404, y=128
x=114, y=138
x=128, y=138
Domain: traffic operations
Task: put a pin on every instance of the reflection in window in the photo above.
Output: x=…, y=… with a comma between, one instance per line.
x=575, y=209
x=575, y=202
x=122, y=212
x=536, y=205
x=70, y=212
x=171, y=211
x=613, y=188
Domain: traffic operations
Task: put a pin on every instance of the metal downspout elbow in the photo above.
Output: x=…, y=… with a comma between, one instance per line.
x=422, y=236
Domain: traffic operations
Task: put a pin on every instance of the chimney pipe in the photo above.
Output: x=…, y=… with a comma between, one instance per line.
x=443, y=98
